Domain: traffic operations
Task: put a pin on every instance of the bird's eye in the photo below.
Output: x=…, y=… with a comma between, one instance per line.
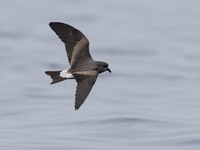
x=105, y=66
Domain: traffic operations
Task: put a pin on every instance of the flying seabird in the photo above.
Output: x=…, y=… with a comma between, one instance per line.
x=83, y=68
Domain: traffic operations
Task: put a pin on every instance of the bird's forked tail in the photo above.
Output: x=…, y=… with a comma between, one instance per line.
x=55, y=75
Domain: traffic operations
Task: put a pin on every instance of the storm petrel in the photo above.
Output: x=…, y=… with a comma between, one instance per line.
x=83, y=68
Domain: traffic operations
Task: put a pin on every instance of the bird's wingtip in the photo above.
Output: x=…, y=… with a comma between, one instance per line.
x=51, y=23
x=76, y=107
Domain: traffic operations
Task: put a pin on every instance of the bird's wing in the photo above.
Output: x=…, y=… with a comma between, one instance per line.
x=76, y=44
x=85, y=81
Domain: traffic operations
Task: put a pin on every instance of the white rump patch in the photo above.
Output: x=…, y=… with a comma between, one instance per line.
x=66, y=74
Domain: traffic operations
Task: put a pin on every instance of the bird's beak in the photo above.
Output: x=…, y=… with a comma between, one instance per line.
x=108, y=70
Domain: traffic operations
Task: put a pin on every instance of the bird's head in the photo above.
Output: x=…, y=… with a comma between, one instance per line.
x=102, y=66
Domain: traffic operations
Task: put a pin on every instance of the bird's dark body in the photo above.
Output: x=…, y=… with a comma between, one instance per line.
x=83, y=68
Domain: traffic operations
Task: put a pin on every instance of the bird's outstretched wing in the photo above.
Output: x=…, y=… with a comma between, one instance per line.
x=85, y=81
x=76, y=44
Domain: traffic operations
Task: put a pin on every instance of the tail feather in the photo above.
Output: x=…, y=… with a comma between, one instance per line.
x=55, y=75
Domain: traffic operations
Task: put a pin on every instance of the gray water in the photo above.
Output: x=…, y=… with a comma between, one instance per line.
x=151, y=101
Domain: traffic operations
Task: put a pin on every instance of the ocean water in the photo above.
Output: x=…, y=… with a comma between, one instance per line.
x=151, y=100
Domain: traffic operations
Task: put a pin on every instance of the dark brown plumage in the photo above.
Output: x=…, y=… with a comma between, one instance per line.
x=83, y=68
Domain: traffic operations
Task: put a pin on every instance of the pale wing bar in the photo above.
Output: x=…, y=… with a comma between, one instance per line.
x=69, y=35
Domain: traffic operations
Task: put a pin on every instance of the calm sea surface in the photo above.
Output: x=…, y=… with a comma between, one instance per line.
x=151, y=101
